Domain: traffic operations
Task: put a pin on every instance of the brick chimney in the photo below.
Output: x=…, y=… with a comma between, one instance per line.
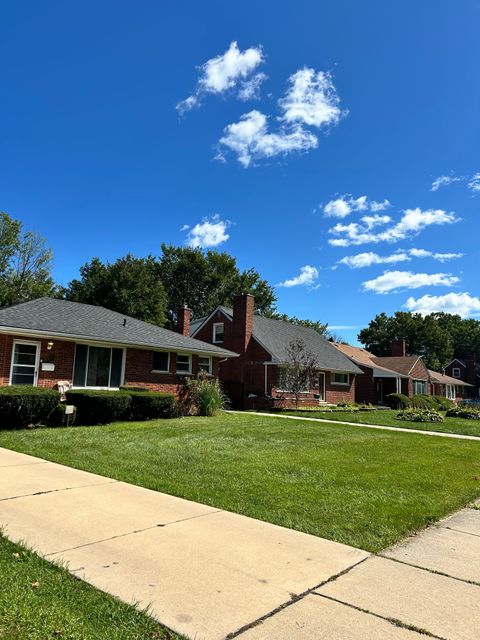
x=242, y=326
x=399, y=348
x=471, y=366
x=183, y=320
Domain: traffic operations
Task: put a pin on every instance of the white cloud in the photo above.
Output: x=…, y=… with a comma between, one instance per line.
x=474, y=182
x=345, y=205
x=444, y=181
x=412, y=222
x=462, y=304
x=250, y=140
x=394, y=280
x=307, y=277
x=370, y=258
x=226, y=72
x=342, y=327
x=209, y=233
x=311, y=99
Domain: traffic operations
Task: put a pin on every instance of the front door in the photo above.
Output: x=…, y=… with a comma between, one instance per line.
x=25, y=362
x=321, y=387
x=379, y=391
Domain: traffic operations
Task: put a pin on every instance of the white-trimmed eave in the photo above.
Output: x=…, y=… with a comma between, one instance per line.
x=69, y=337
x=209, y=318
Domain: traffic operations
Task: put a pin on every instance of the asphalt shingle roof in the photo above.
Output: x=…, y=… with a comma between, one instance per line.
x=276, y=336
x=62, y=317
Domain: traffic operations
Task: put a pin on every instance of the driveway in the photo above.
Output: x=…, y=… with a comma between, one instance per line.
x=211, y=574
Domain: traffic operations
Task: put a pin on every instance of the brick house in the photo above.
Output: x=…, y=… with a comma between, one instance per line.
x=466, y=369
x=47, y=341
x=397, y=373
x=254, y=379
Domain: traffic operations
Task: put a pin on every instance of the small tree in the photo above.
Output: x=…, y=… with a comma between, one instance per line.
x=299, y=369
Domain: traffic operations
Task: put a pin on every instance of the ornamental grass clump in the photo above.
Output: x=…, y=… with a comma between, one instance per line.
x=412, y=414
x=205, y=396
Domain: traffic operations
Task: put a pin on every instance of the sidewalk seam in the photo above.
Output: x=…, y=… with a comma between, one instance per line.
x=433, y=571
x=42, y=493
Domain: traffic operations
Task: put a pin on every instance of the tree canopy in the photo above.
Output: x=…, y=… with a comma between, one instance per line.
x=25, y=263
x=438, y=337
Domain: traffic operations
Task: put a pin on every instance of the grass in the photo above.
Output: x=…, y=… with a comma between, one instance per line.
x=361, y=487
x=40, y=600
x=388, y=418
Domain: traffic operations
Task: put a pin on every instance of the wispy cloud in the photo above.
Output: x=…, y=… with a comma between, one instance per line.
x=392, y=281
x=343, y=206
x=211, y=232
x=474, y=183
x=229, y=71
x=369, y=258
x=412, y=222
x=308, y=276
x=310, y=100
x=462, y=304
x=444, y=181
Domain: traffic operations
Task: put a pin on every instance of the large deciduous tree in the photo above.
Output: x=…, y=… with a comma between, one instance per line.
x=25, y=263
x=438, y=337
x=206, y=279
x=129, y=285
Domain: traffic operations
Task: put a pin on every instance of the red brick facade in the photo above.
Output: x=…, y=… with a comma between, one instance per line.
x=138, y=365
x=250, y=380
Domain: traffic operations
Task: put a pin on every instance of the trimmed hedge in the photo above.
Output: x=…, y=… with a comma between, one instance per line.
x=59, y=418
x=413, y=414
x=22, y=406
x=468, y=413
x=149, y=405
x=99, y=407
x=397, y=400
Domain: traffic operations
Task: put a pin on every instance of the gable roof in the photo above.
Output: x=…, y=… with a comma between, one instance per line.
x=276, y=335
x=74, y=320
x=441, y=378
x=365, y=358
x=402, y=364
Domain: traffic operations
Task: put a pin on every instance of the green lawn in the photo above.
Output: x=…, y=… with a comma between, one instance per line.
x=388, y=418
x=361, y=487
x=39, y=600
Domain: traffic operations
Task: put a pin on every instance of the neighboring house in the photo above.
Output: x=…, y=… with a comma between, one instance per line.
x=398, y=373
x=47, y=341
x=449, y=387
x=466, y=369
x=255, y=378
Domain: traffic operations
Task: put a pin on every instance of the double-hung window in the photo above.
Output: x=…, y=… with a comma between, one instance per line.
x=205, y=364
x=218, y=332
x=161, y=362
x=97, y=367
x=184, y=363
x=419, y=387
x=340, y=378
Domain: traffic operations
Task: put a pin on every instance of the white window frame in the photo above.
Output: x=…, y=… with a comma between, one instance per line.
x=450, y=391
x=456, y=373
x=186, y=355
x=340, y=373
x=423, y=383
x=209, y=358
x=168, y=363
x=37, y=360
x=101, y=346
x=214, y=332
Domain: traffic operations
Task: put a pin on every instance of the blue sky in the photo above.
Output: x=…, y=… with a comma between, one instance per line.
x=345, y=113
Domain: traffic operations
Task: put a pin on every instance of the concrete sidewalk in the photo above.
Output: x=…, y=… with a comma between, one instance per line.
x=211, y=574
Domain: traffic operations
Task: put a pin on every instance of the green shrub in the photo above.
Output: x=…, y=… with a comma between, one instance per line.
x=204, y=396
x=59, y=418
x=468, y=413
x=132, y=389
x=99, y=407
x=397, y=400
x=422, y=401
x=148, y=405
x=22, y=406
x=444, y=404
x=414, y=414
